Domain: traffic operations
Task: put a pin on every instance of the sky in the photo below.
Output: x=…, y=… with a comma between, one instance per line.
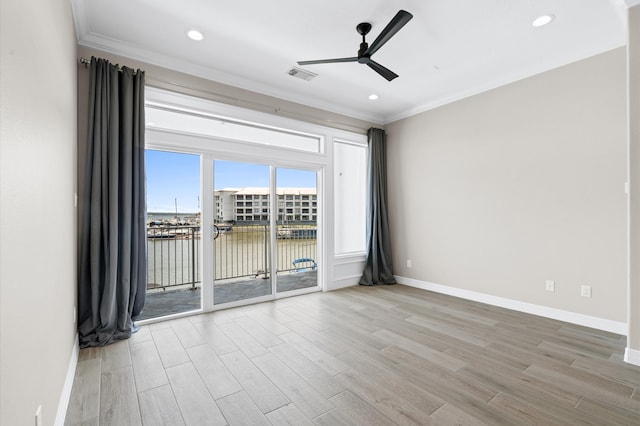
x=175, y=177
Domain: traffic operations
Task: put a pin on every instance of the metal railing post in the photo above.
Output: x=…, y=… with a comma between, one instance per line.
x=193, y=258
x=266, y=257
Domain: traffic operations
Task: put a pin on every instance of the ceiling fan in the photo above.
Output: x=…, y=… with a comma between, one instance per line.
x=365, y=52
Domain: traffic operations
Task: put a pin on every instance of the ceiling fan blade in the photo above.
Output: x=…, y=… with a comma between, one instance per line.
x=398, y=21
x=328, y=61
x=383, y=71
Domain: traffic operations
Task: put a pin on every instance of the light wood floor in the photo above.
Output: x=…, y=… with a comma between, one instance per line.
x=364, y=356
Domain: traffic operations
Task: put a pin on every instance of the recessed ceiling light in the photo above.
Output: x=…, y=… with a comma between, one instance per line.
x=542, y=20
x=195, y=35
x=373, y=96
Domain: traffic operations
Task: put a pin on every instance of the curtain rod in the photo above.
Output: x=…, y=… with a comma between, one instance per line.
x=86, y=62
x=236, y=101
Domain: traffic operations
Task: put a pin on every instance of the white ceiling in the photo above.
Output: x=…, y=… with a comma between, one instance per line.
x=449, y=50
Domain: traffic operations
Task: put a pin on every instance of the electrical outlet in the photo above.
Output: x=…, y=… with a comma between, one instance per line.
x=409, y=263
x=585, y=291
x=39, y=416
x=550, y=285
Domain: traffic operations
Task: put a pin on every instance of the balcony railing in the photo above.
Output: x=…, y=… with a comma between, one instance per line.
x=173, y=256
x=241, y=250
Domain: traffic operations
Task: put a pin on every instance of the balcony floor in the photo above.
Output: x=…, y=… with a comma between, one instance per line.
x=183, y=299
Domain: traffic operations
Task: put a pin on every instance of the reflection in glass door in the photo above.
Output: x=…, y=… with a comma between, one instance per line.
x=297, y=229
x=242, y=231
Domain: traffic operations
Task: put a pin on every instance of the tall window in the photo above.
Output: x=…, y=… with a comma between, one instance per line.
x=350, y=168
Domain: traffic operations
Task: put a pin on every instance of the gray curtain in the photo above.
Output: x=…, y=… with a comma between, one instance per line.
x=112, y=259
x=378, y=268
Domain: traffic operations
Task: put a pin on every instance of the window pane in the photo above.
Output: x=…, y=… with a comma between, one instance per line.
x=227, y=129
x=350, y=168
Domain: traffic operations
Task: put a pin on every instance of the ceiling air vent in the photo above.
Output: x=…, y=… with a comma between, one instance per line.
x=298, y=73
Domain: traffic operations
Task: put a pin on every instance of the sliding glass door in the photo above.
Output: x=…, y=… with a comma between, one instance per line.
x=246, y=251
x=242, y=231
x=173, y=234
x=296, y=229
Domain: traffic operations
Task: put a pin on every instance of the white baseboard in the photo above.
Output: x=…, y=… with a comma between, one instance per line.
x=632, y=356
x=543, y=311
x=65, y=397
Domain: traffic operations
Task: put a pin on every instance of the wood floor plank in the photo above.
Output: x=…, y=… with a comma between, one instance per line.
x=322, y=381
x=324, y=360
x=288, y=415
x=261, y=390
x=589, y=335
x=380, y=377
x=90, y=422
x=196, y=404
x=451, y=415
x=239, y=409
x=259, y=332
x=214, y=374
x=115, y=356
x=308, y=400
x=268, y=322
x=521, y=413
x=333, y=346
x=590, y=385
x=143, y=335
x=349, y=294
x=540, y=356
x=302, y=317
x=486, y=358
x=524, y=387
x=449, y=331
x=361, y=338
x=391, y=405
x=90, y=353
x=148, y=370
x=409, y=331
x=158, y=406
x=471, y=397
x=84, y=403
x=620, y=372
x=273, y=310
x=218, y=341
x=118, y=398
x=169, y=347
x=421, y=350
x=603, y=414
x=352, y=410
x=228, y=315
x=187, y=333
x=573, y=349
x=344, y=315
x=243, y=340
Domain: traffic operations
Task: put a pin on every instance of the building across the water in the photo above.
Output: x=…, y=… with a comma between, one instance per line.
x=252, y=204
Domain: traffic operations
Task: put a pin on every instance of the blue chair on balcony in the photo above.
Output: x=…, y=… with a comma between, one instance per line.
x=304, y=264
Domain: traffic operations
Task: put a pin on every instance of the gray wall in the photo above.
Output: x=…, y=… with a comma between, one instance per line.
x=37, y=214
x=633, y=343
x=501, y=191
